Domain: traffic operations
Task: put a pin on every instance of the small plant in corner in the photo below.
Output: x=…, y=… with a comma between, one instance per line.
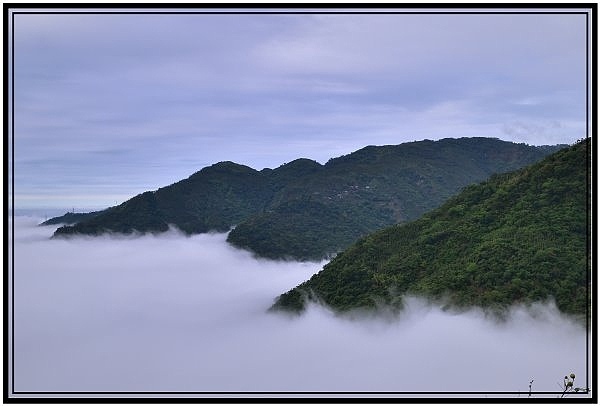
x=568, y=385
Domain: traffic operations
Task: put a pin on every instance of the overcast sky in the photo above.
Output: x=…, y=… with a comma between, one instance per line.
x=108, y=106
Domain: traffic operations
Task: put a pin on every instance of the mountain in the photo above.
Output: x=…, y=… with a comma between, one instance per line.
x=70, y=218
x=515, y=238
x=213, y=199
x=321, y=214
x=304, y=210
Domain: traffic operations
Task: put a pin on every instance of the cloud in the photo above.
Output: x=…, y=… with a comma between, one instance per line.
x=175, y=313
x=177, y=90
x=541, y=131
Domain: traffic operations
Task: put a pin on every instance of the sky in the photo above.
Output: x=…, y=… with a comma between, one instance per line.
x=120, y=314
x=107, y=106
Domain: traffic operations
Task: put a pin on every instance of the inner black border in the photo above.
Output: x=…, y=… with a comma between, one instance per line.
x=10, y=9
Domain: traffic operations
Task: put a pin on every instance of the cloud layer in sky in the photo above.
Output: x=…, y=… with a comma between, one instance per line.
x=175, y=313
x=113, y=105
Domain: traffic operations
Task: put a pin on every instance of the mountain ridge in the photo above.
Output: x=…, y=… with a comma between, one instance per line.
x=517, y=237
x=278, y=213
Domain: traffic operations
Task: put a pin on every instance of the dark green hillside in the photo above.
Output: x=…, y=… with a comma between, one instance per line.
x=70, y=218
x=370, y=189
x=298, y=229
x=518, y=237
x=140, y=213
x=305, y=210
x=215, y=198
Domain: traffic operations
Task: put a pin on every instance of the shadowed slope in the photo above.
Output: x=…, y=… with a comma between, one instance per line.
x=307, y=211
x=518, y=237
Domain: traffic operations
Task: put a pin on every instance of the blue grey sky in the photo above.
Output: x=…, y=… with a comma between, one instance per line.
x=110, y=105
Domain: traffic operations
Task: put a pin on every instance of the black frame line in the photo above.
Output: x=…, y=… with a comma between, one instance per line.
x=307, y=6
x=12, y=296
x=299, y=393
x=11, y=9
x=5, y=168
x=593, y=65
x=276, y=8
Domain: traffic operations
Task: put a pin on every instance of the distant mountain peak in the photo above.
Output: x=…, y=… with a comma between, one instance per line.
x=334, y=204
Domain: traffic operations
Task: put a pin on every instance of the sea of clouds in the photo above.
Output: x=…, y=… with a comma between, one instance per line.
x=174, y=313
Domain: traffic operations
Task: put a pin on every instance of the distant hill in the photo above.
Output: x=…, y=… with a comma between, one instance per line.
x=70, y=218
x=213, y=199
x=304, y=210
x=374, y=187
x=515, y=238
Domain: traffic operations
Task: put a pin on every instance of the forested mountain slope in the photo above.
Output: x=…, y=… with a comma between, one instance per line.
x=372, y=188
x=70, y=218
x=515, y=238
x=304, y=210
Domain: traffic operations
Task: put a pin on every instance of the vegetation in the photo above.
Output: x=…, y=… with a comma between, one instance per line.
x=373, y=188
x=307, y=211
x=515, y=238
x=213, y=199
x=568, y=387
x=70, y=218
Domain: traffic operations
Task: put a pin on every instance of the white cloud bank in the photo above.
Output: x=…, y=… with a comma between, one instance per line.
x=172, y=313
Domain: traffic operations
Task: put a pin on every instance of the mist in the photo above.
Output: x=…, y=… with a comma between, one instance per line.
x=175, y=313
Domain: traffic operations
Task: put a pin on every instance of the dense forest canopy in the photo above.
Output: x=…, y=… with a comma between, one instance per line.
x=307, y=211
x=516, y=238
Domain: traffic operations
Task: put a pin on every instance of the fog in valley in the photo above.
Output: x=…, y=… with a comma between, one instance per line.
x=176, y=313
